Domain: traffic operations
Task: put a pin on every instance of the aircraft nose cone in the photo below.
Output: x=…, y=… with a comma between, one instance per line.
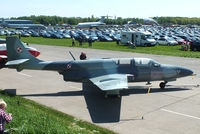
x=184, y=72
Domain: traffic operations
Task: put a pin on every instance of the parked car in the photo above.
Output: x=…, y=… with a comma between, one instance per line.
x=35, y=34
x=93, y=37
x=66, y=36
x=195, y=46
x=180, y=40
x=24, y=34
x=167, y=41
x=104, y=38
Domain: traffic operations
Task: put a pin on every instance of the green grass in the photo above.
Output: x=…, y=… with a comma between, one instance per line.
x=158, y=50
x=32, y=118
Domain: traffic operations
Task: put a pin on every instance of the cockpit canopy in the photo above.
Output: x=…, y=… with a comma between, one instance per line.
x=142, y=62
x=146, y=62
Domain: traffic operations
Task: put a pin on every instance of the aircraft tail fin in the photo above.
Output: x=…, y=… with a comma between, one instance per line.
x=16, y=49
x=102, y=19
x=17, y=53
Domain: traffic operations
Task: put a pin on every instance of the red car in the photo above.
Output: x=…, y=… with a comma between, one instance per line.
x=181, y=41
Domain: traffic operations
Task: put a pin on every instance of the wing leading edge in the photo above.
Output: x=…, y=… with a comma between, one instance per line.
x=110, y=82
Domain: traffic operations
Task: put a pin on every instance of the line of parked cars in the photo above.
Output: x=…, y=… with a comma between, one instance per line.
x=162, y=35
x=85, y=35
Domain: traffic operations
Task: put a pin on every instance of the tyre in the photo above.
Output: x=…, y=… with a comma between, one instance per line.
x=162, y=85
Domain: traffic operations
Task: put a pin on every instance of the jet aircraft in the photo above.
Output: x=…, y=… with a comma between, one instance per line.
x=109, y=75
x=92, y=24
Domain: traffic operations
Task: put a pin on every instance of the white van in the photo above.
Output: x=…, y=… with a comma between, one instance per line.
x=138, y=38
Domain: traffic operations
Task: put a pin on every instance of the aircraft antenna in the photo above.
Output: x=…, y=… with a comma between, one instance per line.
x=72, y=55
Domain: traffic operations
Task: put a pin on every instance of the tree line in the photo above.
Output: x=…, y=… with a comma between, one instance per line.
x=53, y=20
x=177, y=20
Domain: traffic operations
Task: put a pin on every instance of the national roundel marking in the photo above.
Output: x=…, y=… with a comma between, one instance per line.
x=68, y=66
x=19, y=50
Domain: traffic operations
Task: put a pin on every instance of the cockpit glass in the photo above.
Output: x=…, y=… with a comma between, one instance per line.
x=155, y=64
x=142, y=62
x=124, y=61
x=146, y=62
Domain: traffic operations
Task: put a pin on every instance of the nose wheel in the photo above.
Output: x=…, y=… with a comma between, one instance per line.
x=162, y=85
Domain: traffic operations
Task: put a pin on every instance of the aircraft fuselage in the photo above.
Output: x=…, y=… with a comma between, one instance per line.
x=136, y=69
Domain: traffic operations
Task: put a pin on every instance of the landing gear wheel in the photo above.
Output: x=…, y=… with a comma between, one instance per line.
x=162, y=85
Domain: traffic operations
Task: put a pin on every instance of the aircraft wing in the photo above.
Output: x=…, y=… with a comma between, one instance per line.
x=110, y=81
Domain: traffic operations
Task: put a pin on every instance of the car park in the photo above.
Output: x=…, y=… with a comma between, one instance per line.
x=167, y=35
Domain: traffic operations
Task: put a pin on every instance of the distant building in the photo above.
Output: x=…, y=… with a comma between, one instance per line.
x=17, y=21
x=20, y=24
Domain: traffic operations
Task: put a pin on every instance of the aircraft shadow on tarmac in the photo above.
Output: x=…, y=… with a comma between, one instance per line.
x=105, y=110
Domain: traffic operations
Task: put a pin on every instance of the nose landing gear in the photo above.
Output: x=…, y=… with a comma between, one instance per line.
x=163, y=84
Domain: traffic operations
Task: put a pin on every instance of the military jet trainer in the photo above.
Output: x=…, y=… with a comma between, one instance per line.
x=109, y=75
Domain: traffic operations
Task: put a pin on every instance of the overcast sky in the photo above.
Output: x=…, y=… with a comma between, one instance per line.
x=86, y=8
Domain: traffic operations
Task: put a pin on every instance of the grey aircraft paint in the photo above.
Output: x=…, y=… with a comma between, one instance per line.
x=110, y=75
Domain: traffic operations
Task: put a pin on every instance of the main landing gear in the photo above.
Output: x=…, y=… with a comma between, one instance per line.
x=163, y=84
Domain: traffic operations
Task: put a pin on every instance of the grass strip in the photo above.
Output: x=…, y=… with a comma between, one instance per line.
x=30, y=117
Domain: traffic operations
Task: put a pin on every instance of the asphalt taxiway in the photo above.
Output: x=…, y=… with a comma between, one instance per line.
x=175, y=109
